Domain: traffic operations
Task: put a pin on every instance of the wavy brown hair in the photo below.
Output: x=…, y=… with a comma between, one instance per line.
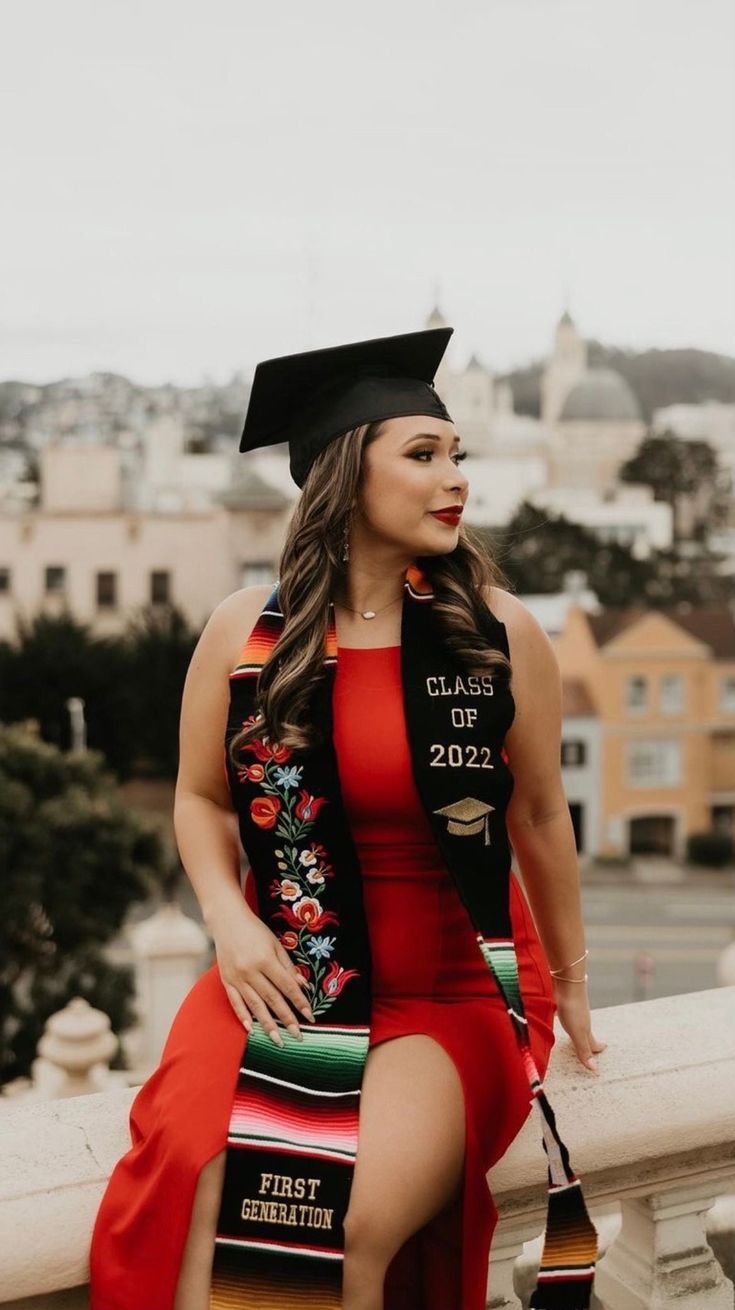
x=310, y=564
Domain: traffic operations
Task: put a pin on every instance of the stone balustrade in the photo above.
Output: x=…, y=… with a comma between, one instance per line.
x=653, y=1139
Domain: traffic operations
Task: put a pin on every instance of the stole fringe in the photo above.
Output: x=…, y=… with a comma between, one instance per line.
x=569, y=1254
x=570, y=1247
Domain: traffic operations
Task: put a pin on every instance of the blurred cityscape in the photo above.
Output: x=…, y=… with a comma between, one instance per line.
x=601, y=482
x=115, y=497
x=600, y=479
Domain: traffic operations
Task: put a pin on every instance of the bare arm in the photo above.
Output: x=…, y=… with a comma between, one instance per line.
x=538, y=818
x=539, y=823
x=204, y=821
x=256, y=971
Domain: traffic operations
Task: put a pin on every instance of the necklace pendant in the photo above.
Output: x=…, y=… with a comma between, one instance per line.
x=368, y=614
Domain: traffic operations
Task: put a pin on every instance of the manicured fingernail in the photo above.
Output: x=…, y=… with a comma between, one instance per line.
x=275, y=1037
x=248, y=1024
x=294, y=1029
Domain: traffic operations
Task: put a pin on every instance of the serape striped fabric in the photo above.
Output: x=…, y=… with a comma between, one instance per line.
x=292, y=1141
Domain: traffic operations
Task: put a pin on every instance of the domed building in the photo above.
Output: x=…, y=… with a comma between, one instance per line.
x=590, y=423
x=603, y=395
x=593, y=415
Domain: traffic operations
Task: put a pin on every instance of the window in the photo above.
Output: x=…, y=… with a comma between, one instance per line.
x=256, y=572
x=106, y=590
x=654, y=763
x=722, y=819
x=55, y=578
x=160, y=587
x=672, y=693
x=727, y=694
x=636, y=692
x=573, y=754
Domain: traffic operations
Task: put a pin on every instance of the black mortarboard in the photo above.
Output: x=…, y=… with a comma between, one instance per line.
x=310, y=398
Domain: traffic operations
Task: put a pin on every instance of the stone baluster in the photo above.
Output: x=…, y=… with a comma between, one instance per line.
x=661, y=1259
x=726, y=965
x=507, y=1248
x=73, y=1053
x=169, y=950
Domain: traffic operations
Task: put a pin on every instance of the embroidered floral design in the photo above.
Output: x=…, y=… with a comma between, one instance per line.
x=321, y=947
x=335, y=980
x=264, y=811
x=287, y=808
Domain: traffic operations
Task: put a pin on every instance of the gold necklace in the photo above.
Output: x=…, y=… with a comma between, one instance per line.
x=368, y=614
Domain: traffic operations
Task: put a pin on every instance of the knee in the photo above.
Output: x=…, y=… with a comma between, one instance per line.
x=368, y=1243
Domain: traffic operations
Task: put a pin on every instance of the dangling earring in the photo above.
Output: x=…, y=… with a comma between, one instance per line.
x=346, y=545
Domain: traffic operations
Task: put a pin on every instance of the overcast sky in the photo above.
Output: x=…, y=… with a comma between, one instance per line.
x=191, y=187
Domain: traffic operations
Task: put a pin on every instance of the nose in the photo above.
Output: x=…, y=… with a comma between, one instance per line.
x=456, y=480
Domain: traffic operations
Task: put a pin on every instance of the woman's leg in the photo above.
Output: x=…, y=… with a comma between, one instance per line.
x=410, y=1157
x=409, y=1164
x=192, y=1290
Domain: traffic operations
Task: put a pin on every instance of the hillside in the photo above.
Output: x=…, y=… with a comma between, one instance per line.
x=658, y=377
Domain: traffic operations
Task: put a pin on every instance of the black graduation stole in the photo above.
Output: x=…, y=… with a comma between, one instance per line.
x=293, y=1131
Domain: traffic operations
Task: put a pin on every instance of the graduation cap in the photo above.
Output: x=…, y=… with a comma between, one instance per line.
x=310, y=398
x=466, y=817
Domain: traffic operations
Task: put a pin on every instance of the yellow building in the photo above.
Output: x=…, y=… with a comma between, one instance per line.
x=653, y=691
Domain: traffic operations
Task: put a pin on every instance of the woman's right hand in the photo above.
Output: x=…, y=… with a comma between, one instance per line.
x=257, y=973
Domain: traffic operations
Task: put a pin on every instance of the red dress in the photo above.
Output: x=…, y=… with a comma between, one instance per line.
x=428, y=977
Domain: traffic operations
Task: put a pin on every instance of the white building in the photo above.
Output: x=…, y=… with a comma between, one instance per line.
x=84, y=551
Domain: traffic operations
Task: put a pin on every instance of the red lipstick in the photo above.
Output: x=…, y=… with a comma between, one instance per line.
x=452, y=514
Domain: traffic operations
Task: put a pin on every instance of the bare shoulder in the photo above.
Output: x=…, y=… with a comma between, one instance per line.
x=521, y=624
x=226, y=630
x=536, y=673
x=533, y=741
x=204, y=703
x=233, y=619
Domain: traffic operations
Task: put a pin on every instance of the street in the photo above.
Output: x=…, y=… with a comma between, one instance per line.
x=683, y=929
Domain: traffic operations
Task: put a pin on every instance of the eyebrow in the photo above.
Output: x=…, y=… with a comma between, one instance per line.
x=430, y=436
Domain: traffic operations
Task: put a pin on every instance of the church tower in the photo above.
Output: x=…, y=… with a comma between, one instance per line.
x=565, y=367
x=441, y=378
x=436, y=319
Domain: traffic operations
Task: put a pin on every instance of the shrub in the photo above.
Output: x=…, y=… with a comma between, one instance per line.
x=74, y=859
x=712, y=848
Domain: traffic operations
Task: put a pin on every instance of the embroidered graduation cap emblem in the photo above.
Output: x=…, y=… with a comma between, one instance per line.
x=466, y=817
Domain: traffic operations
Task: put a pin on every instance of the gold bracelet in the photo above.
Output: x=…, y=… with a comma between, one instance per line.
x=557, y=973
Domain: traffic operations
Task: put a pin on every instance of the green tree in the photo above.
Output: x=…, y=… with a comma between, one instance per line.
x=686, y=476
x=131, y=685
x=74, y=859
x=56, y=657
x=536, y=549
x=160, y=644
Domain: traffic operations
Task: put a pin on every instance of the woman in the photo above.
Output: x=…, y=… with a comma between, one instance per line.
x=442, y=1080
